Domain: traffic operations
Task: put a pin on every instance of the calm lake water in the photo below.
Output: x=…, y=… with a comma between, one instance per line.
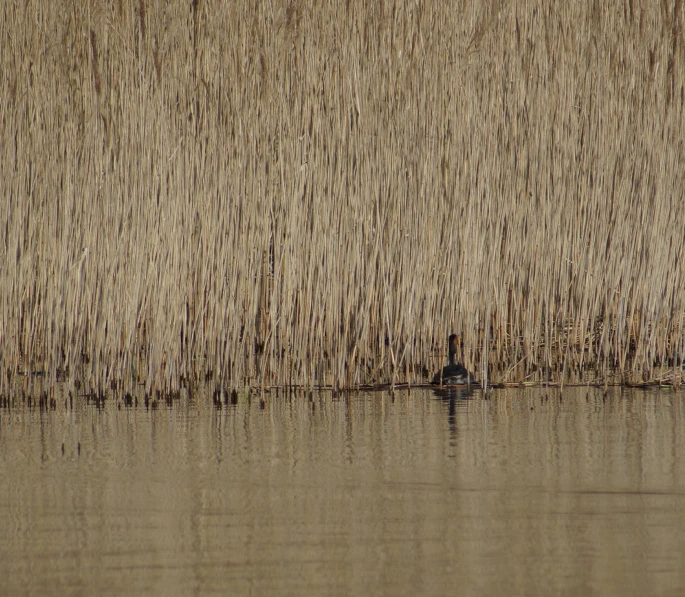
x=528, y=492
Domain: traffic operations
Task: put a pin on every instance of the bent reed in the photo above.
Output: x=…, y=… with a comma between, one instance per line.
x=309, y=193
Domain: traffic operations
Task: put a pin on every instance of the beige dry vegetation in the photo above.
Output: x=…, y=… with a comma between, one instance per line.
x=306, y=193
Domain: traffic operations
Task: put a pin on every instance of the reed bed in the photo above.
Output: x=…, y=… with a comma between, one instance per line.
x=311, y=193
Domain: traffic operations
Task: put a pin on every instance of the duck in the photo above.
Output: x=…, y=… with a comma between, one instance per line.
x=453, y=374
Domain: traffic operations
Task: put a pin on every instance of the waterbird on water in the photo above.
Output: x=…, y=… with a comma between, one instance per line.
x=453, y=374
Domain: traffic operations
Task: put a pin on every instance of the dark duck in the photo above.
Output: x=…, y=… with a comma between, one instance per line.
x=453, y=374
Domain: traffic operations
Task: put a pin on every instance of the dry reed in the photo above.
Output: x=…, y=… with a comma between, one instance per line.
x=308, y=193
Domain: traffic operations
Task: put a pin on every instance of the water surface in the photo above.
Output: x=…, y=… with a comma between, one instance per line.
x=527, y=492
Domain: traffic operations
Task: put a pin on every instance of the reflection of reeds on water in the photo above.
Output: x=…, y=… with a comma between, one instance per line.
x=315, y=193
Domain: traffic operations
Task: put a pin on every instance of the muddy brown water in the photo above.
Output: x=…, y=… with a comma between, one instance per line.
x=527, y=492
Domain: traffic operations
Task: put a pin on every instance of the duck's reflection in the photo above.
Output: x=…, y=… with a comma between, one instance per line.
x=454, y=393
x=457, y=399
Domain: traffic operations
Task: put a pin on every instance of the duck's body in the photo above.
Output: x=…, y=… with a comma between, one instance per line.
x=454, y=374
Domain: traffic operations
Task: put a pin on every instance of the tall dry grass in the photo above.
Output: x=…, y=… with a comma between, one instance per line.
x=318, y=193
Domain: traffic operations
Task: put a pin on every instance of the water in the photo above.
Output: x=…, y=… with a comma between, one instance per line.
x=528, y=492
